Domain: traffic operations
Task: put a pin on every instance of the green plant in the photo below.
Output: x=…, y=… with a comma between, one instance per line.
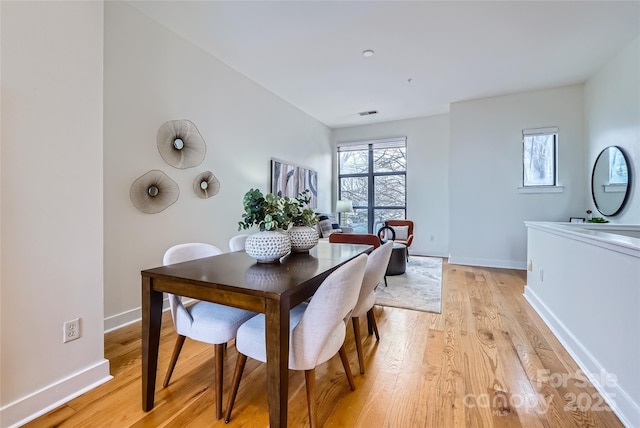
x=297, y=210
x=598, y=220
x=263, y=211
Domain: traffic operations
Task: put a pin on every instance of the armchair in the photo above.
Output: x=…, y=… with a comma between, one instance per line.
x=403, y=230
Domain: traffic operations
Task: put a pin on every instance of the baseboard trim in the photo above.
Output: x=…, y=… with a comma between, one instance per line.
x=443, y=255
x=122, y=319
x=622, y=405
x=131, y=316
x=40, y=402
x=493, y=263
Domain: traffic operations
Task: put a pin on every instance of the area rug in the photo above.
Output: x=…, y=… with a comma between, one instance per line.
x=419, y=288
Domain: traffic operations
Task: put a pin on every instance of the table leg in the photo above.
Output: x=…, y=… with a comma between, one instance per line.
x=277, y=338
x=151, y=323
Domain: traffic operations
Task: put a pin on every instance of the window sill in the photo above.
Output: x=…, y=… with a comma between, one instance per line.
x=614, y=188
x=541, y=189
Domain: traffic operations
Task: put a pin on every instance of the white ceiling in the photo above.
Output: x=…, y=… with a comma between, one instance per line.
x=428, y=54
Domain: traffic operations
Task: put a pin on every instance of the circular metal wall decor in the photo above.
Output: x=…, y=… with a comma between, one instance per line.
x=206, y=185
x=180, y=144
x=153, y=192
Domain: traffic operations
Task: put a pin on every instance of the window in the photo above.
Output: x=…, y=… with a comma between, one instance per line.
x=617, y=168
x=539, y=153
x=372, y=175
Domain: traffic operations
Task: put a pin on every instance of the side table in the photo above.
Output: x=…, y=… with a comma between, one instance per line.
x=398, y=260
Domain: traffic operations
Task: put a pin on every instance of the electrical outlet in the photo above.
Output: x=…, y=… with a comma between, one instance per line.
x=71, y=330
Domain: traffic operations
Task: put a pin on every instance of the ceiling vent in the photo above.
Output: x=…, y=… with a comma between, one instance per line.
x=368, y=113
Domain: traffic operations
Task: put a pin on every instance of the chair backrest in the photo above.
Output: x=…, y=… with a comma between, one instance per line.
x=330, y=305
x=236, y=243
x=407, y=223
x=182, y=253
x=355, y=238
x=374, y=273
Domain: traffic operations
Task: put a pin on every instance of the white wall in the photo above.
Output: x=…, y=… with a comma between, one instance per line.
x=612, y=112
x=152, y=76
x=51, y=187
x=427, y=175
x=485, y=170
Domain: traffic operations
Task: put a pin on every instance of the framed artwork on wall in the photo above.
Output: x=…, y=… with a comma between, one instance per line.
x=288, y=179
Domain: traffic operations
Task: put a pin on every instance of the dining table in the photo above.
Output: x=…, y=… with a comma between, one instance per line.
x=236, y=279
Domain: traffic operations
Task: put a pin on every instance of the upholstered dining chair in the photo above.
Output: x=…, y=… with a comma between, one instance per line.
x=202, y=321
x=373, y=275
x=236, y=243
x=317, y=331
x=355, y=238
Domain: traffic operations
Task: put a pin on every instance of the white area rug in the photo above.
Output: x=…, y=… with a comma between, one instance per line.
x=419, y=288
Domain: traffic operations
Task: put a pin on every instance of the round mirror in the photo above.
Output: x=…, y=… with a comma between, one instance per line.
x=178, y=144
x=610, y=181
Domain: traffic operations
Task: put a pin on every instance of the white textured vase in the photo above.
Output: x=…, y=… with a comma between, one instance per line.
x=268, y=246
x=303, y=238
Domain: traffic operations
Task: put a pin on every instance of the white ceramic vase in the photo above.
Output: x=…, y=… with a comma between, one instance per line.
x=268, y=246
x=303, y=238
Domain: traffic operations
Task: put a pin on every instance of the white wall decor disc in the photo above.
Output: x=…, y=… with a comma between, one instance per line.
x=153, y=192
x=180, y=144
x=206, y=185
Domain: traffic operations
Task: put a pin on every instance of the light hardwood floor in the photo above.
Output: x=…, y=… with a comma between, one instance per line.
x=486, y=361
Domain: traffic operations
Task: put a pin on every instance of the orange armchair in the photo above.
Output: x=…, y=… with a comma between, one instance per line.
x=409, y=224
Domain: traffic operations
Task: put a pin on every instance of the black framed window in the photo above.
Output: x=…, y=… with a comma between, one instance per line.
x=373, y=175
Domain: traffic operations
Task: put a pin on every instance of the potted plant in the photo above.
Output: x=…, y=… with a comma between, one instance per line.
x=296, y=211
x=265, y=212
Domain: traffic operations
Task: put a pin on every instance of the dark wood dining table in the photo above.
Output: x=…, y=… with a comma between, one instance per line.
x=236, y=279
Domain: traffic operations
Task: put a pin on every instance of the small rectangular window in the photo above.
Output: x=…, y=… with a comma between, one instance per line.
x=539, y=157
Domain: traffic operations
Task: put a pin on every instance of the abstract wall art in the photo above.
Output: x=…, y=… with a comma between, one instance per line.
x=290, y=180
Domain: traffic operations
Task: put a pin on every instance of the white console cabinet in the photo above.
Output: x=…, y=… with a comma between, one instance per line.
x=584, y=281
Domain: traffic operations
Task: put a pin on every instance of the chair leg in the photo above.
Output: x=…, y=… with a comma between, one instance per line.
x=385, y=281
x=347, y=367
x=174, y=359
x=369, y=326
x=372, y=320
x=219, y=376
x=237, y=375
x=356, y=333
x=310, y=381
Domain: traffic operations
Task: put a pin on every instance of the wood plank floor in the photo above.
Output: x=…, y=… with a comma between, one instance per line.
x=486, y=361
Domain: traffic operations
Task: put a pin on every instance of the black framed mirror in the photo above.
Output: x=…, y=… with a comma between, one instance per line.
x=611, y=181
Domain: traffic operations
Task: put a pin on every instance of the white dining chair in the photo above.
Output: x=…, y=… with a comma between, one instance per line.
x=317, y=330
x=202, y=321
x=236, y=243
x=373, y=275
